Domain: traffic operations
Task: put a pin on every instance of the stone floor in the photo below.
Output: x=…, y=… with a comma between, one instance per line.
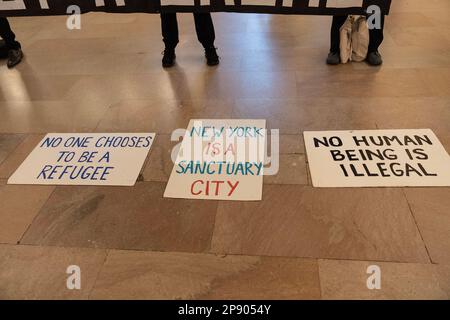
x=298, y=242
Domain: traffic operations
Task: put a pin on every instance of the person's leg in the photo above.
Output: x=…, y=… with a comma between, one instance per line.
x=169, y=29
x=338, y=22
x=13, y=47
x=3, y=49
x=376, y=38
x=205, y=29
x=206, y=36
x=8, y=35
x=334, y=55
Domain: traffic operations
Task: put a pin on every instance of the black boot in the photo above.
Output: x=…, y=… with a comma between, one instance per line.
x=168, y=58
x=374, y=58
x=212, y=59
x=15, y=56
x=333, y=58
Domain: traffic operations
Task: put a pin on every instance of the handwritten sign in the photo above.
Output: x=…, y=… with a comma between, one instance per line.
x=220, y=160
x=377, y=158
x=113, y=159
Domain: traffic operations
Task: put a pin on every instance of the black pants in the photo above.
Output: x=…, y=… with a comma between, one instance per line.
x=203, y=25
x=7, y=35
x=376, y=35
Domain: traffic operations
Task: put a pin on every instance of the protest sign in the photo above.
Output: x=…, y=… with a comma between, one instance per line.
x=220, y=160
x=113, y=159
x=377, y=158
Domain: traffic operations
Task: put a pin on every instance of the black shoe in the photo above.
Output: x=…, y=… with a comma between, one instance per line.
x=14, y=57
x=212, y=59
x=333, y=58
x=374, y=58
x=169, y=57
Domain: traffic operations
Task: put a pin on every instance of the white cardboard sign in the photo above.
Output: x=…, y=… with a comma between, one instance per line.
x=220, y=160
x=377, y=158
x=112, y=159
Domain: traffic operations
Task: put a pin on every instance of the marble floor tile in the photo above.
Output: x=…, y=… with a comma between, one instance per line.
x=291, y=144
x=399, y=281
x=444, y=138
x=151, y=43
x=16, y=157
x=49, y=116
x=67, y=47
x=25, y=88
x=8, y=143
x=292, y=170
x=438, y=16
x=437, y=80
x=145, y=275
x=293, y=116
x=78, y=63
x=100, y=18
x=224, y=84
x=58, y=30
x=287, y=59
x=286, y=25
x=156, y=86
x=427, y=37
x=431, y=209
x=361, y=224
x=162, y=117
x=410, y=57
x=308, y=171
x=409, y=20
x=28, y=272
x=19, y=206
x=25, y=23
x=123, y=218
x=376, y=82
x=417, y=6
x=256, y=40
x=407, y=113
x=159, y=165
